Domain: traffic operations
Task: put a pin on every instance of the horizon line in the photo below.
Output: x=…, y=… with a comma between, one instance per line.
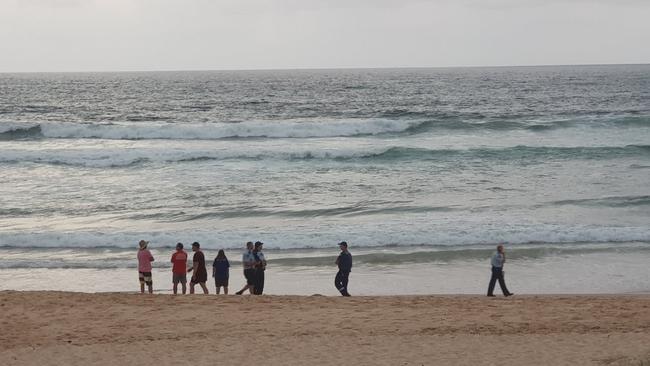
x=326, y=68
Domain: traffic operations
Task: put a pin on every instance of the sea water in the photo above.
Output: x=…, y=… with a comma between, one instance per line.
x=422, y=171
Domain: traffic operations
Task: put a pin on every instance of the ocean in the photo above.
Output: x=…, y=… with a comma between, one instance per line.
x=422, y=171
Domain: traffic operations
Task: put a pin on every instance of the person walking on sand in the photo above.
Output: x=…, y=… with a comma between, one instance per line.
x=260, y=267
x=200, y=274
x=179, y=268
x=248, y=260
x=144, y=266
x=221, y=272
x=344, y=261
x=498, y=260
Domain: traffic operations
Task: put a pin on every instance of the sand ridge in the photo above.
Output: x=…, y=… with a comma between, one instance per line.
x=57, y=328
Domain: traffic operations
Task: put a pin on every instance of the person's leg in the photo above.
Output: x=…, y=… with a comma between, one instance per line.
x=493, y=281
x=204, y=287
x=248, y=283
x=141, y=278
x=217, y=289
x=225, y=290
x=184, y=287
x=175, y=287
x=192, y=287
x=502, y=284
x=259, y=282
x=344, y=283
x=337, y=281
x=150, y=286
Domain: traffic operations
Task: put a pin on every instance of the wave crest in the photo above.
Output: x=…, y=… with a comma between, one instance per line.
x=116, y=157
x=210, y=131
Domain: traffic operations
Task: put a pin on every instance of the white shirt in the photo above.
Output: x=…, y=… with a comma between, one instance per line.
x=248, y=259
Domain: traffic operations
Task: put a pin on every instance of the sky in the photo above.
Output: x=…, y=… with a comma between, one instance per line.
x=134, y=35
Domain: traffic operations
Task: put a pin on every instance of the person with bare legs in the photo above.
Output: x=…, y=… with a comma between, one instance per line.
x=179, y=268
x=144, y=266
x=200, y=273
x=221, y=272
x=248, y=260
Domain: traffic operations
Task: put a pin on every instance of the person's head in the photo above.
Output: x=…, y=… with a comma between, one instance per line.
x=249, y=245
x=179, y=246
x=143, y=244
x=343, y=245
x=258, y=245
x=221, y=254
x=196, y=246
x=500, y=248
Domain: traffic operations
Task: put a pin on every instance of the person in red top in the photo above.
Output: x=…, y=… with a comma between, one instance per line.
x=179, y=269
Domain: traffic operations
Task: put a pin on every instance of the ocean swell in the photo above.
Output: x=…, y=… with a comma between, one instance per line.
x=120, y=157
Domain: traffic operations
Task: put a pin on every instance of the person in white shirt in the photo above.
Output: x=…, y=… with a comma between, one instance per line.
x=248, y=260
x=498, y=260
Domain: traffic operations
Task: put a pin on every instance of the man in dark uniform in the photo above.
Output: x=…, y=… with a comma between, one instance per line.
x=344, y=261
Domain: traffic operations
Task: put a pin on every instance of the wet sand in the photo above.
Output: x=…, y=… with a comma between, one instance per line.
x=61, y=328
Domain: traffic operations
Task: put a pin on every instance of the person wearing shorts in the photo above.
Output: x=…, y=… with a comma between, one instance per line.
x=144, y=266
x=248, y=260
x=179, y=268
x=200, y=273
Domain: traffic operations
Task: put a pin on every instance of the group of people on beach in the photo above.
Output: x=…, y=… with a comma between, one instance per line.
x=253, y=260
x=254, y=263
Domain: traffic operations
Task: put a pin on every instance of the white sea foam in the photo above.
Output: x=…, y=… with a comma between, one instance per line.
x=119, y=157
x=363, y=236
x=211, y=131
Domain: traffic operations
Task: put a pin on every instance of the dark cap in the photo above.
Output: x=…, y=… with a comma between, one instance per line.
x=258, y=243
x=345, y=244
x=179, y=245
x=196, y=244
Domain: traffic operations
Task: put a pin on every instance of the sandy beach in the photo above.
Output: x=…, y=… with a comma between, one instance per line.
x=60, y=328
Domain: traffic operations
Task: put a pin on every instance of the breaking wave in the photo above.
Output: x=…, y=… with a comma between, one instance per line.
x=117, y=157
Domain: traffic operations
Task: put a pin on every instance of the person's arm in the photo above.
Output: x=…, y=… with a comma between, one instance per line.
x=338, y=259
x=150, y=257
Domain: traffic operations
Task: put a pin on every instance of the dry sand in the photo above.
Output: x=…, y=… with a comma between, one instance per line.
x=56, y=328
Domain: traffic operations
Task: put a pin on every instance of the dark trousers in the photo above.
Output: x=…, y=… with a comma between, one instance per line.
x=341, y=282
x=258, y=281
x=497, y=274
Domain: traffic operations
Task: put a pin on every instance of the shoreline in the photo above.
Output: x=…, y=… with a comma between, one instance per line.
x=53, y=328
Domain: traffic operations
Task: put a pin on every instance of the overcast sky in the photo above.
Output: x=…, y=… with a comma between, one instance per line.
x=104, y=35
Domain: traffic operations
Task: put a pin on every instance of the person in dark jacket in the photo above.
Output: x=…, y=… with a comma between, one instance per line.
x=260, y=267
x=344, y=261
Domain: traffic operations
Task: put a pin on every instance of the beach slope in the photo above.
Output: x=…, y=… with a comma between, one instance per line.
x=56, y=328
